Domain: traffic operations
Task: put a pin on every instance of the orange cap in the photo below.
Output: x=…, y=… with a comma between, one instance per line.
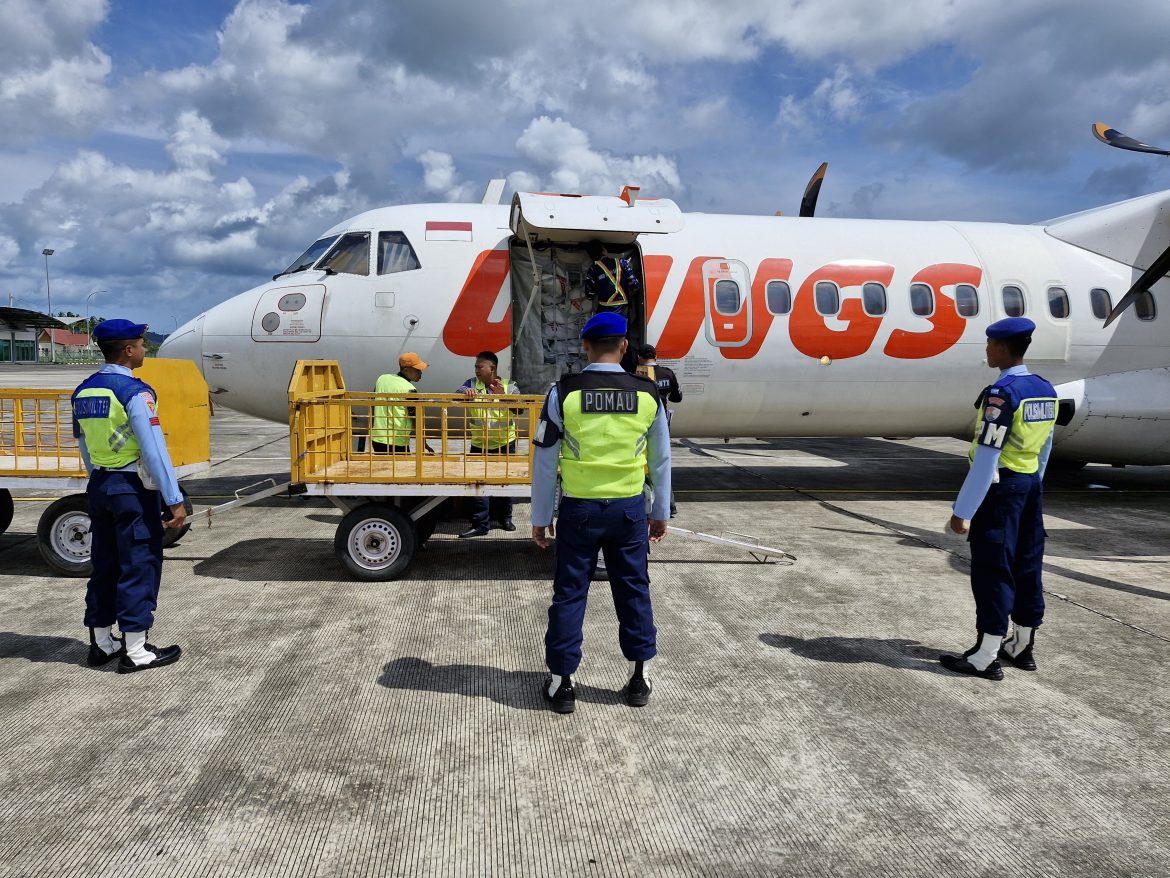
x=411, y=359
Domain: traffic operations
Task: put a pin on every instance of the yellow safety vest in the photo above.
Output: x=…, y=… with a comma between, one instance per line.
x=615, y=277
x=101, y=416
x=606, y=417
x=1032, y=422
x=490, y=427
x=393, y=424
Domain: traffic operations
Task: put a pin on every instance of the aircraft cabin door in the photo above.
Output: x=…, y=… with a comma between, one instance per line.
x=727, y=302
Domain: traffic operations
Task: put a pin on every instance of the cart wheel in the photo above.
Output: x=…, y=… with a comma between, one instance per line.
x=171, y=535
x=375, y=542
x=63, y=536
x=7, y=508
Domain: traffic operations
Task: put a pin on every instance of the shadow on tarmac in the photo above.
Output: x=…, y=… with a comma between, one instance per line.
x=43, y=648
x=893, y=653
x=516, y=689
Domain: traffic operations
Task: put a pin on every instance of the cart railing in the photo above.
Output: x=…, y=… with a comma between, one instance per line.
x=36, y=434
x=449, y=438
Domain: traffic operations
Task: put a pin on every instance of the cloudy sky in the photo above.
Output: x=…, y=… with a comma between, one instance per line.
x=175, y=152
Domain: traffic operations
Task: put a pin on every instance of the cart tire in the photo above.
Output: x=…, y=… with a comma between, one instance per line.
x=173, y=535
x=63, y=536
x=7, y=509
x=375, y=542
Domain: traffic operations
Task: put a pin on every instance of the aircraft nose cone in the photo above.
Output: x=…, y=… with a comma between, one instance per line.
x=185, y=343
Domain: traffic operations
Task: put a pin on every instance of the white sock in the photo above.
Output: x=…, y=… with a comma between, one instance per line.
x=104, y=638
x=1020, y=640
x=600, y=561
x=136, y=648
x=554, y=685
x=985, y=651
x=645, y=668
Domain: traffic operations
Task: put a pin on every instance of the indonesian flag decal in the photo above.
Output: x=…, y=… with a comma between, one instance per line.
x=443, y=230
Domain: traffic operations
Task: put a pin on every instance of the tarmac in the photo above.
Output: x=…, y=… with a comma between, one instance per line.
x=800, y=722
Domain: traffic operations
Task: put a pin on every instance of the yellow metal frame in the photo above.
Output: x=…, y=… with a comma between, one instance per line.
x=36, y=425
x=329, y=434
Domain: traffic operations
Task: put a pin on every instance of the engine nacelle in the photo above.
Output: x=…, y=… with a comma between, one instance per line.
x=1118, y=418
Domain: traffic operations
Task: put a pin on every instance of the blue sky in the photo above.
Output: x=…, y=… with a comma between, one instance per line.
x=175, y=153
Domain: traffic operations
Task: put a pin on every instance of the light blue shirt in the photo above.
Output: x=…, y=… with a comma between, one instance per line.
x=151, y=442
x=546, y=460
x=986, y=462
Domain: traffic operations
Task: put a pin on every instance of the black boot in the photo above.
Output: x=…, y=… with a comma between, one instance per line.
x=564, y=699
x=637, y=691
x=1018, y=648
x=97, y=655
x=982, y=650
x=136, y=645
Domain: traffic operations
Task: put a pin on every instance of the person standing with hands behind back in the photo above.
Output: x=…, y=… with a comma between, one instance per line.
x=492, y=431
x=1003, y=496
x=115, y=420
x=600, y=428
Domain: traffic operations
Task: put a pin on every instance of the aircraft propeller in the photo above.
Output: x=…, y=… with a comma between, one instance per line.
x=808, y=204
x=1161, y=265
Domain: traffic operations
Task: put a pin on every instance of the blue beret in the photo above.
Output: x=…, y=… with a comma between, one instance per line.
x=1010, y=326
x=604, y=325
x=118, y=330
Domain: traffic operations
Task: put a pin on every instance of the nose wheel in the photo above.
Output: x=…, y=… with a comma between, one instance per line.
x=376, y=542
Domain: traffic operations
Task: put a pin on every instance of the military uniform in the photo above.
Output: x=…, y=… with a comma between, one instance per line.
x=600, y=428
x=1003, y=498
x=115, y=420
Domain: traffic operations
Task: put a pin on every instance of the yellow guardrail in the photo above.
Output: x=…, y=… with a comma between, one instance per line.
x=330, y=434
x=36, y=425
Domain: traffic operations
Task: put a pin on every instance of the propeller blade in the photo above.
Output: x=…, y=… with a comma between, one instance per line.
x=808, y=204
x=1149, y=277
x=1113, y=137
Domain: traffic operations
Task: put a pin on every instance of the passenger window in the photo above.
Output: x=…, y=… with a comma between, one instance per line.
x=306, y=259
x=873, y=299
x=1101, y=302
x=1144, y=306
x=1013, y=301
x=966, y=300
x=1058, y=305
x=351, y=255
x=921, y=299
x=727, y=298
x=395, y=253
x=779, y=296
x=827, y=297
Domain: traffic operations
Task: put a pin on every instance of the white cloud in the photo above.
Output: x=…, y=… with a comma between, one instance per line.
x=441, y=178
x=562, y=155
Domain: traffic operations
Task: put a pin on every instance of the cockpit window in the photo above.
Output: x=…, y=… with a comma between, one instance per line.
x=306, y=259
x=395, y=253
x=351, y=255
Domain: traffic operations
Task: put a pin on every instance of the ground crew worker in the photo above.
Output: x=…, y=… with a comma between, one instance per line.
x=610, y=280
x=115, y=420
x=668, y=388
x=600, y=427
x=393, y=425
x=1002, y=496
x=492, y=432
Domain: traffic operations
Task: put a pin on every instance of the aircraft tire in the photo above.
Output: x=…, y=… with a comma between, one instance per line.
x=173, y=535
x=63, y=536
x=376, y=542
x=7, y=509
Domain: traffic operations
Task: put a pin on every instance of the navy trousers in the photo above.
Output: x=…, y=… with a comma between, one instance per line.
x=1007, y=553
x=126, y=547
x=619, y=529
x=484, y=509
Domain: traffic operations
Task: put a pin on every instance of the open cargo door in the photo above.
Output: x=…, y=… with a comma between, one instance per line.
x=549, y=267
x=565, y=219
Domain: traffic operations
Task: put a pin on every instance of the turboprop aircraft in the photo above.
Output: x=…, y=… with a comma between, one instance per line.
x=776, y=326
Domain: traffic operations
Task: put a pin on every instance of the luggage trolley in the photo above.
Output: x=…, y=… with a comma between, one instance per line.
x=38, y=452
x=391, y=498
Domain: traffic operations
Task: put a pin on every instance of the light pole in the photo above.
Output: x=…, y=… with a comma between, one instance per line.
x=88, y=328
x=47, y=252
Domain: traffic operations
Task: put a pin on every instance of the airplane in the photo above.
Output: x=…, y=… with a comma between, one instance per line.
x=776, y=326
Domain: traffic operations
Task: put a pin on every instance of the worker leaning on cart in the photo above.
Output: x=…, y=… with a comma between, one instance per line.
x=115, y=420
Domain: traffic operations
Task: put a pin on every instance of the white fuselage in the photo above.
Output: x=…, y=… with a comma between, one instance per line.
x=750, y=372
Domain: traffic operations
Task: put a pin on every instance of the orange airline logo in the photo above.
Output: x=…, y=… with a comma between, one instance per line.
x=469, y=330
